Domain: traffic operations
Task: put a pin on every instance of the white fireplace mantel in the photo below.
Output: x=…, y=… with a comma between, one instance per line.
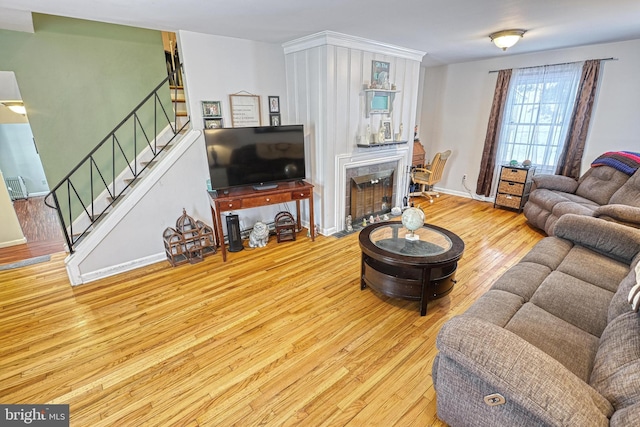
x=368, y=158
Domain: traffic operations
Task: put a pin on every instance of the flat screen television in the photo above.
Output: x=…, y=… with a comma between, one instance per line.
x=255, y=156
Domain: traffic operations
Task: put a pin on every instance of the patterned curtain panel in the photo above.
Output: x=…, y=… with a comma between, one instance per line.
x=571, y=157
x=487, y=166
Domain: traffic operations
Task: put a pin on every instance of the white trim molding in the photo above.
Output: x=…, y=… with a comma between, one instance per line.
x=352, y=42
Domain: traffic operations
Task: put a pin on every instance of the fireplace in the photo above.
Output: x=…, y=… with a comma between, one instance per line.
x=371, y=195
x=370, y=190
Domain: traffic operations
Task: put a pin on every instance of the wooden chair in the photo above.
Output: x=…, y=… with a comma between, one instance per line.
x=428, y=176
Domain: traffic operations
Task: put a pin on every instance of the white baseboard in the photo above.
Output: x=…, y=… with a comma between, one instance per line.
x=79, y=278
x=13, y=243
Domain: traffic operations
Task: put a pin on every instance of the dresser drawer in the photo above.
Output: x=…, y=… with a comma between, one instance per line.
x=508, y=201
x=510, y=174
x=511, y=188
x=251, y=202
x=300, y=194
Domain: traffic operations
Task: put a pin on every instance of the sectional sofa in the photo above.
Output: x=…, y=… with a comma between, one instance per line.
x=607, y=189
x=555, y=341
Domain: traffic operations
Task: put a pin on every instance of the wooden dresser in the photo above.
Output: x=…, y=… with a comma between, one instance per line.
x=514, y=186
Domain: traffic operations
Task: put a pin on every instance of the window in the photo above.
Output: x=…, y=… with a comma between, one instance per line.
x=537, y=115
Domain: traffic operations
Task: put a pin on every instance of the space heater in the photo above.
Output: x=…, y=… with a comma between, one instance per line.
x=233, y=233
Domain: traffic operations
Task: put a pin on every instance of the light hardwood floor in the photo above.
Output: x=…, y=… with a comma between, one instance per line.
x=276, y=336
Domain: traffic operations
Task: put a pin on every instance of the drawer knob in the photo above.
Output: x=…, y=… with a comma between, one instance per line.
x=268, y=199
x=230, y=205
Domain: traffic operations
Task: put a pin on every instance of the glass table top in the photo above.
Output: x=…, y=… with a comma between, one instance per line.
x=392, y=238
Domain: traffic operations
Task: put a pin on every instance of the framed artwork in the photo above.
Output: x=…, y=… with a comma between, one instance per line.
x=388, y=130
x=379, y=73
x=213, y=123
x=211, y=109
x=245, y=110
x=274, y=119
x=274, y=104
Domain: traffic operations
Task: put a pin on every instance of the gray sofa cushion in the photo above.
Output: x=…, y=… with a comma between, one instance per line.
x=623, y=214
x=616, y=370
x=598, y=184
x=629, y=193
x=571, y=346
x=614, y=240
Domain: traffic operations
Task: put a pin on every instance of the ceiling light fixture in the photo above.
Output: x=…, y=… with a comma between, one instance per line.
x=506, y=38
x=16, y=107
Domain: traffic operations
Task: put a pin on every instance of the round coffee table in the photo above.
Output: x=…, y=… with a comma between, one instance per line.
x=421, y=269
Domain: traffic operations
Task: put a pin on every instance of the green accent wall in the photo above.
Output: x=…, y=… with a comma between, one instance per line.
x=78, y=80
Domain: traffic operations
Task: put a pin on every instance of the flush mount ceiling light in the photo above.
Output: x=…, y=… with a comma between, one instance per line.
x=506, y=38
x=16, y=107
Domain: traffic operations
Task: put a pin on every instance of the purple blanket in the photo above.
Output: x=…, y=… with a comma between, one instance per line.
x=624, y=161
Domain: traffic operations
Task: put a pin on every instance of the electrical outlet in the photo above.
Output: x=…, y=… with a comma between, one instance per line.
x=464, y=176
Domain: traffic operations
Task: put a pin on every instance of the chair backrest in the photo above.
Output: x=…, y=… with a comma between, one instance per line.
x=437, y=166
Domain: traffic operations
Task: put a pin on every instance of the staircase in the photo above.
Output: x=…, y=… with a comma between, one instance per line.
x=94, y=188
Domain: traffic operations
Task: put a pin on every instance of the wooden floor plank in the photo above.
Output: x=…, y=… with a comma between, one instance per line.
x=276, y=336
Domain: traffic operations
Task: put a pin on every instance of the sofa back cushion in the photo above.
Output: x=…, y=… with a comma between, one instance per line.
x=599, y=183
x=629, y=193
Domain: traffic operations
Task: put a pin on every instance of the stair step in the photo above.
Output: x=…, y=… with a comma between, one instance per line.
x=148, y=164
x=178, y=98
x=181, y=113
x=176, y=87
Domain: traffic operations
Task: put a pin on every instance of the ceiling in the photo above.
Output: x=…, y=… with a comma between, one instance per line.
x=450, y=31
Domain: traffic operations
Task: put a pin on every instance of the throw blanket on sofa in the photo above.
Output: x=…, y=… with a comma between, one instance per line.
x=624, y=161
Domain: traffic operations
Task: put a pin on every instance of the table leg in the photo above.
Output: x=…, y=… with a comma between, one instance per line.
x=424, y=294
x=219, y=234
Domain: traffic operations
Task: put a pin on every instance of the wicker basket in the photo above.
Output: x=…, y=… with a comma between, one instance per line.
x=508, y=201
x=517, y=175
x=511, y=188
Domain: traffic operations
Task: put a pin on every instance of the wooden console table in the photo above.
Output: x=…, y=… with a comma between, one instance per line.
x=247, y=197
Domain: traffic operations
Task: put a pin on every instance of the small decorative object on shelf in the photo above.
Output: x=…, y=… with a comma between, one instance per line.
x=190, y=241
x=513, y=163
x=381, y=133
x=259, y=236
x=285, y=227
x=412, y=219
x=526, y=163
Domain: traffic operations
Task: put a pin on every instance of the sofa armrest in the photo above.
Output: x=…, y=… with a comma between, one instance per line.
x=623, y=214
x=614, y=240
x=522, y=373
x=555, y=182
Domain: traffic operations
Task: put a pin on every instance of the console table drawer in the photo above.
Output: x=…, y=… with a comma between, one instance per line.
x=229, y=205
x=252, y=202
x=300, y=194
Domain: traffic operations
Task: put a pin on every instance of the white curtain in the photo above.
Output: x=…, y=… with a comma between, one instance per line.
x=537, y=115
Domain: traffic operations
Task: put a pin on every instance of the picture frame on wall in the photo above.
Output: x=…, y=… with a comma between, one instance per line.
x=274, y=119
x=380, y=74
x=245, y=110
x=213, y=123
x=211, y=109
x=274, y=104
x=388, y=130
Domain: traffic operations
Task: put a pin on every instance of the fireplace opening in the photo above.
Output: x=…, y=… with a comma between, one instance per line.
x=371, y=195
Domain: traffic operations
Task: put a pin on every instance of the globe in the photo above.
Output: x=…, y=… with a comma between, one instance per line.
x=412, y=219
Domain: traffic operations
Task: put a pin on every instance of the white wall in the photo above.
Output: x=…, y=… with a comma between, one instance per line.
x=18, y=156
x=10, y=231
x=216, y=67
x=457, y=98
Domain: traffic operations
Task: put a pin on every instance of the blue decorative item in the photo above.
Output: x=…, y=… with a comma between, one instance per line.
x=513, y=163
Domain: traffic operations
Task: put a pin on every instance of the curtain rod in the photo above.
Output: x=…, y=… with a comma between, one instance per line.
x=550, y=65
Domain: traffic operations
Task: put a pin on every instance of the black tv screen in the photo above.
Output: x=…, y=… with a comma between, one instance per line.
x=255, y=156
